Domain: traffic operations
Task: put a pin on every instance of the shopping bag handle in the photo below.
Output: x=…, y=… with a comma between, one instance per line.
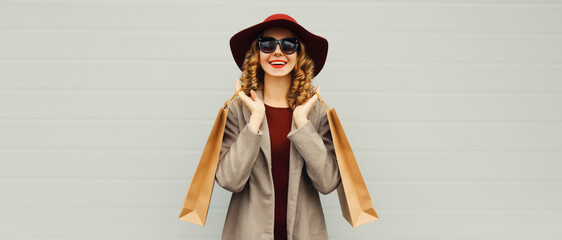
x=323, y=103
x=230, y=99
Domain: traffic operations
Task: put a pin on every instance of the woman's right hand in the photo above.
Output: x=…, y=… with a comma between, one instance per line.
x=254, y=104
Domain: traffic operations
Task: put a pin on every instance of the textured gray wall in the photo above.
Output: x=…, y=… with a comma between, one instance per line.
x=453, y=109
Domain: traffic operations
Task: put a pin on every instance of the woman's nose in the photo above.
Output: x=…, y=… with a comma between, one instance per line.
x=277, y=51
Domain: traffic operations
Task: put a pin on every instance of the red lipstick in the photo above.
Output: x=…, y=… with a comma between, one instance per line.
x=278, y=65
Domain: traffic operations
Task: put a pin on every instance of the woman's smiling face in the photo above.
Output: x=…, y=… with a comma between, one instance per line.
x=266, y=59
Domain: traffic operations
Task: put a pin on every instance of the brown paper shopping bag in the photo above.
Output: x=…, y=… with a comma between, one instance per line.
x=198, y=197
x=355, y=201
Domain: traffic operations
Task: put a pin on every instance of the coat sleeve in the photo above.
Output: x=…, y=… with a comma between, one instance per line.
x=317, y=149
x=238, y=153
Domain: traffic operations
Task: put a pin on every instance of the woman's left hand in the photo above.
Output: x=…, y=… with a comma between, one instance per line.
x=300, y=113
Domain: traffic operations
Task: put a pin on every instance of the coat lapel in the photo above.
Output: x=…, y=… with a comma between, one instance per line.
x=295, y=163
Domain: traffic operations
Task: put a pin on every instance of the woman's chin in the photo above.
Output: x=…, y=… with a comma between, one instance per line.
x=277, y=73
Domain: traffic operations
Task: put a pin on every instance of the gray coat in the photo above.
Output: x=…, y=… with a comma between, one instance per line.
x=244, y=168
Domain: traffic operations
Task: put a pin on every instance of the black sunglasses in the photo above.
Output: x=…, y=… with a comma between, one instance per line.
x=269, y=44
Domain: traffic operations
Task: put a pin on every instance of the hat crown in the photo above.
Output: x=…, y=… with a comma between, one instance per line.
x=279, y=16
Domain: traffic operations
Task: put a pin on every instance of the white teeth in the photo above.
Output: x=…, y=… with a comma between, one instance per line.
x=277, y=63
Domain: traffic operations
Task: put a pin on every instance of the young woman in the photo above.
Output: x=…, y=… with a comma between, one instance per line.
x=277, y=151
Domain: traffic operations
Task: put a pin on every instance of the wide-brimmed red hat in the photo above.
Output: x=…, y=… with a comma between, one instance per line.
x=316, y=46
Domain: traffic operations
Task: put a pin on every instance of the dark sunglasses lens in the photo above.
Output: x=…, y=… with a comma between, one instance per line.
x=289, y=45
x=267, y=44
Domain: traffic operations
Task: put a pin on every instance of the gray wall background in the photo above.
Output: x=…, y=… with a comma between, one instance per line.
x=453, y=109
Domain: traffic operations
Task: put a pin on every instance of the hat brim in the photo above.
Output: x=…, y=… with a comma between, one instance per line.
x=316, y=46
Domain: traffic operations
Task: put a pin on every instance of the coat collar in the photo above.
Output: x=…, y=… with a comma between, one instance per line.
x=295, y=162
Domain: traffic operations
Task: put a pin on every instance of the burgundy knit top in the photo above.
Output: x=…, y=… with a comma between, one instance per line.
x=279, y=120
